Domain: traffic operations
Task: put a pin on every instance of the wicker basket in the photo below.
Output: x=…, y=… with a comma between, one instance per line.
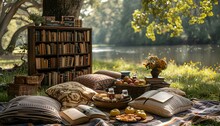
x=22, y=89
x=28, y=79
x=25, y=85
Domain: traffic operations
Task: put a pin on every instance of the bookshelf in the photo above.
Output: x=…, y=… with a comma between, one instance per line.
x=61, y=53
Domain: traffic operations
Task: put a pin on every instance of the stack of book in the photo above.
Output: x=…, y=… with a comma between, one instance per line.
x=156, y=83
x=68, y=20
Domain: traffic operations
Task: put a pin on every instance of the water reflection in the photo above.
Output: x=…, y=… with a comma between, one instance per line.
x=206, y=54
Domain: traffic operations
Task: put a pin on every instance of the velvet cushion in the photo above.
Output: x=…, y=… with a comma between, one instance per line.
x=71, y=94
x=95, y=81
x=113, y=74
x=31, y=109
x=161, y=103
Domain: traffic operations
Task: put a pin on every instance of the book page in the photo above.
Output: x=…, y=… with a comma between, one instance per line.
x=91, y=112
x=161, y=96
x=74, y=116
x=147, y=95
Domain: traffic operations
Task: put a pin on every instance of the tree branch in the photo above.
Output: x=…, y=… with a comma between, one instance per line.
x=21, y=19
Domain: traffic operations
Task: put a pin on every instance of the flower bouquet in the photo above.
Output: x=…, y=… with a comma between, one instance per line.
x=156, y=65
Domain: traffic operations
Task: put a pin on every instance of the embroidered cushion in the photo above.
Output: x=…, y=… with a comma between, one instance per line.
x=161, y=103
x=31, y=109
x=71, y=94
x=95, y=81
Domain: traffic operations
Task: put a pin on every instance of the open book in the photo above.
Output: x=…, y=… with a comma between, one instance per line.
x=159, y=96
x=81, y=114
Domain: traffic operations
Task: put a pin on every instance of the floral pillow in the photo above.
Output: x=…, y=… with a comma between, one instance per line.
x=95, y=81
x=71, y=94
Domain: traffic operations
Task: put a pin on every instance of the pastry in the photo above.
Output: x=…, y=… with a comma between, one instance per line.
x=128, y=117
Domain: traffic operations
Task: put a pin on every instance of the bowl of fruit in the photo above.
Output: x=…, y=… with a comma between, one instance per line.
x=134, y=85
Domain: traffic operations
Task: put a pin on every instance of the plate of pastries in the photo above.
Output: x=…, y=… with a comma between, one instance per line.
x=129, y=114
x=104, y=100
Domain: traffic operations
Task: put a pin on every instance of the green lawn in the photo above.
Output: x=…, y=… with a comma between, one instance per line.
x=198, y=82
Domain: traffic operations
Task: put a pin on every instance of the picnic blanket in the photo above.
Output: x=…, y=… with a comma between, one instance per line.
x=202, y=110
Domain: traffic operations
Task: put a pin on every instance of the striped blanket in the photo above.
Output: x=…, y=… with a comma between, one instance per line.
x=201, y=111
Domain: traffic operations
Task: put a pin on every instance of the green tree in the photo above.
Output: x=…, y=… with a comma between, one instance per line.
x=165, y=16
x=11, y=10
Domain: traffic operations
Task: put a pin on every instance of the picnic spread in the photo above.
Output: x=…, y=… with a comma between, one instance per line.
x=162, y=106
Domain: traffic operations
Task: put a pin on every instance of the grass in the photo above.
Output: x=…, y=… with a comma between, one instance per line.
x=198, y=82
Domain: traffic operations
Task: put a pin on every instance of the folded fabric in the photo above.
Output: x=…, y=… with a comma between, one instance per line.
x=113, y=74
x=95, y=81
x=31, y=109
x=172, y=90
x=161, y=103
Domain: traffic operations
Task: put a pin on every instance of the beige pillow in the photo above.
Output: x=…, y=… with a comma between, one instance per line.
x=95, y=81
x=71, y=94
x=173, y=90
x=161, y=103
x=30, y=109
x=113, y=74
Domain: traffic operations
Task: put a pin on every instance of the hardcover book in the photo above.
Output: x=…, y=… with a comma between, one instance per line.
x=81, y=114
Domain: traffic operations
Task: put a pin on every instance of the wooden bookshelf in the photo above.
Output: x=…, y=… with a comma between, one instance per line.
x=61, y=53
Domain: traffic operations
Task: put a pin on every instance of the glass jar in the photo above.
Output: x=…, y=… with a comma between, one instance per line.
x=111, y=93
x=125, y=93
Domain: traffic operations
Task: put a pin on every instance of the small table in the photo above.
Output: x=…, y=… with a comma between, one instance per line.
x=156, y=83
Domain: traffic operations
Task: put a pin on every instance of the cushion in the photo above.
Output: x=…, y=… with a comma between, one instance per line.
x=173, y=90
x=31, y=109
x=95, y=81
x=161, y=103
x=109, y=73
x=71, y=94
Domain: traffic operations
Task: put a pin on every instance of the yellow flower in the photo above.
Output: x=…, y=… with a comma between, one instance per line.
x=153, y=62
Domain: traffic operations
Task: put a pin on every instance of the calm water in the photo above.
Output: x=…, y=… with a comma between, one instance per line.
x=208, y=55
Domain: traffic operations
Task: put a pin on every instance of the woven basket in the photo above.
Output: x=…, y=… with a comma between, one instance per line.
x=28, y=79
x=22, y=89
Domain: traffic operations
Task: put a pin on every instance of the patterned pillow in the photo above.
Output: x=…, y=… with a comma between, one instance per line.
x=31, y=109
x=95, y=81
x=71, y=94
x=109, y=73
x=164, y=104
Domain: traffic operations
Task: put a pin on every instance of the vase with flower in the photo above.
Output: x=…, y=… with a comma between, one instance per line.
x=156, y=65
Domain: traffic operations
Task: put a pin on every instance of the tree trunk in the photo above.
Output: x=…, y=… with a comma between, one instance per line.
x=59, y=8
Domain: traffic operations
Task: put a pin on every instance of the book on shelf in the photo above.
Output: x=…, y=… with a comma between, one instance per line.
x=81, y=114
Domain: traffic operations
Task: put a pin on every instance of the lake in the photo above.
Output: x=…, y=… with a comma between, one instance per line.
x=208, y=55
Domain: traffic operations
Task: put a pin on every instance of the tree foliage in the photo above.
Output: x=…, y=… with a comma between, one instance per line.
x=165, y=16
x=14, y=11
